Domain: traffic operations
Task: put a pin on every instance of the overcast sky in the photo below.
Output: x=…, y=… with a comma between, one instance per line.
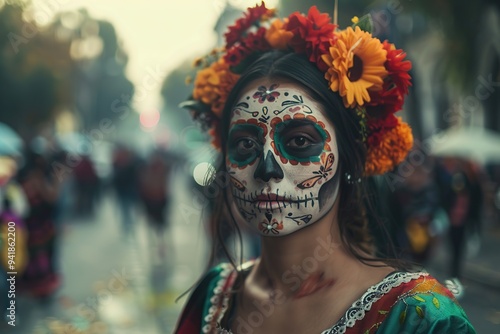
x=157, y=34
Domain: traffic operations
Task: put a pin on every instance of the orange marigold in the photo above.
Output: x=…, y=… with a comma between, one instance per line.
x=390, y=151
x=277, y=36
x=355, y=66
x=213, y=84
x=214, y=134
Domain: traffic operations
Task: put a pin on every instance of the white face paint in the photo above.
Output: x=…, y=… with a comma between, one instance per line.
x=282, y=157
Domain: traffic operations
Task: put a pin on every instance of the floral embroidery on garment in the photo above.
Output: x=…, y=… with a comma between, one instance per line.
x=361, y=306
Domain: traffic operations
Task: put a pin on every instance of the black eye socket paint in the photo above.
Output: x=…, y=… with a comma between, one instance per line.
x=286, y=138
x=245, y=144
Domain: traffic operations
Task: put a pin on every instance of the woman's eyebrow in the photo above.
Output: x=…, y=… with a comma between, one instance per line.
x=300, y=122
x=247, y=128
x=295, y=123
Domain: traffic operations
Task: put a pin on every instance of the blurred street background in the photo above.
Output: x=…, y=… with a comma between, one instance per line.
x=104, y=174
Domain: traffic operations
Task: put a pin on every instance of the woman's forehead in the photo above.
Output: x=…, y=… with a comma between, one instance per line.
x=278, y=95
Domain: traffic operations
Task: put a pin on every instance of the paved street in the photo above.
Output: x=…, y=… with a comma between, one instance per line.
x=114, y=283
x=126, y=284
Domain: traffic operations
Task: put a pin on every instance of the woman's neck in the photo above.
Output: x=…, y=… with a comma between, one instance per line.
x=304, y=262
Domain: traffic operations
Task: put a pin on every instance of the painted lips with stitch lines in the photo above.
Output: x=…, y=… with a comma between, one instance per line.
x=272, y=201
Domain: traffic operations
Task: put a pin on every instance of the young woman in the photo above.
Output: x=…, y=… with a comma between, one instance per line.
x=295, y=149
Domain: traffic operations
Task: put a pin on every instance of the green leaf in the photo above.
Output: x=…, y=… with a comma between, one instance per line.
x=383, y=312
x=402, y=317
x=420, y=312
x=420, y=299
x=365, y=23
x=435, y=301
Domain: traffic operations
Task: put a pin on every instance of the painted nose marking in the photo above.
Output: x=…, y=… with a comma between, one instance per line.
x=268, y=168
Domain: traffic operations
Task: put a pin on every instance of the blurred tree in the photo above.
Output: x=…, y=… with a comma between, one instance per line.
x=101, y=88
x=458, y=22
x=175, y=90
x=35, y=71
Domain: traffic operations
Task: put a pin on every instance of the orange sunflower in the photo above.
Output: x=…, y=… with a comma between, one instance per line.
x=213, y=84
x=355, y=66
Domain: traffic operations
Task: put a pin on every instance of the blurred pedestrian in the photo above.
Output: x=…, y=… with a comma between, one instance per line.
x=13, y=205
x=155, y=189
x=413, y=205
x=461, y=197
x=41, y=278
x=126, y=166
x=87, y=183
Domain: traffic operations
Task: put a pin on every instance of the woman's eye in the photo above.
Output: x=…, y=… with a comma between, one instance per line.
x=298, y=142
x=245, y=144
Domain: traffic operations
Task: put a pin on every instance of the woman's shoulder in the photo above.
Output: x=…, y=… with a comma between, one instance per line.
x=422, y=304
x=405, y=302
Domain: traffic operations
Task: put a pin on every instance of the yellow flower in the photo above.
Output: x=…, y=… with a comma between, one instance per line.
x=391, y=151
x=355, y=19
x=356, y=66
x=278, y=37
x=213, y=84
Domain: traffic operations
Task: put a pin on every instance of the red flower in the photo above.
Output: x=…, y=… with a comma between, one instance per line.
x=298, y=25
x=253, y=42
x=390, y=99
x=378, y=127
x=386, y=101
x=241, y=25
x=317, y=50
x=397, y=67
x=257, y=41
x=236, y=54
x=312, y=35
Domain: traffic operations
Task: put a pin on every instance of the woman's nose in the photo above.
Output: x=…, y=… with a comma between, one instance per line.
x=268, y=168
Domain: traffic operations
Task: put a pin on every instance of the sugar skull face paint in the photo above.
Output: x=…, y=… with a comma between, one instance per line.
x=282, y=157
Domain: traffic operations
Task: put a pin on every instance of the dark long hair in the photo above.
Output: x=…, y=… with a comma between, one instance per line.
x=354, y=206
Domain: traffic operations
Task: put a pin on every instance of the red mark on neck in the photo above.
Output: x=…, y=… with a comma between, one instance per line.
x=312, y=284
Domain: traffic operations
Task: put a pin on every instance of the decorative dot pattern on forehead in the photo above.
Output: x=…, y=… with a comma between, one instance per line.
x=282, y=157
x=290, y=102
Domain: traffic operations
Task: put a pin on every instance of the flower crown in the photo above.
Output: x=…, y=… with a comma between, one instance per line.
x=371, y=76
